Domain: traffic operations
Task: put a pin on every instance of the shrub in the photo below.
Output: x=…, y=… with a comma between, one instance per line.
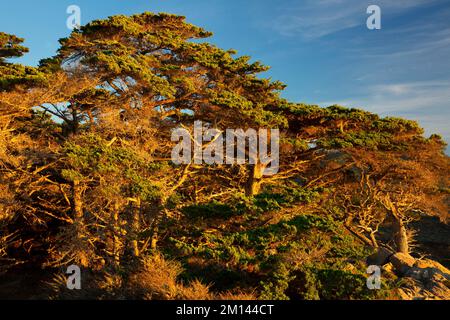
x=157, y=279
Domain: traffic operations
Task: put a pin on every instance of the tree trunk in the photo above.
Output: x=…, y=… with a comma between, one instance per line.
x=136, y=226
x=75, y=125
x=116, y=241
x=155, y=237
x=341, y=126
x=373, y=239
x=254, y=181
x=77, y=205
x=401, y=236
x=162, y=203
x=77, y=210
x=156, y=222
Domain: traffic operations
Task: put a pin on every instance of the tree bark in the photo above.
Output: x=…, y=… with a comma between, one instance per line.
x=254, y=180
x=77, y=205
x=75, y=124
x=401, y=236
x=115, y=238
x=78, y=218
x=156, y=222
x=400, y=232
x=136, y=218
x=373, y=240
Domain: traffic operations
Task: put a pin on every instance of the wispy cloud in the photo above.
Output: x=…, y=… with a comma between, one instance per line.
x=410, y=96
x=401, y=71
x=417, y=41
x=317, y=18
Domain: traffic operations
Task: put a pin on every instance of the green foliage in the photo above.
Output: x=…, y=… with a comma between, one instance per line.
x=298, y=144
x=288, y=196
x=328, y=278
x=210, y=210
x=10, y=46
x=276, y=198
x=276, y=289
x=363, y=139
x=336, y=112
x=92, y=156
x=153, y=56
x=397, y=125
x=239, y=247
x=16, y=74
x=303, y=110
x=141, y=187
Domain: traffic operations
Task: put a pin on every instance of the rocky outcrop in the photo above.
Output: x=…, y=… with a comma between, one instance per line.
x=380, y=258
x=423, y=279
x=433, y=238
x=402, y=263
x=423, y=284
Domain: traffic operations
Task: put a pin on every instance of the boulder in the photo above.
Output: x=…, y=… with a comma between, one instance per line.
x=379, y=258
x=424, y=279
x=431, y=264
x=402, y=263
x=421, y=274
x=433, y=288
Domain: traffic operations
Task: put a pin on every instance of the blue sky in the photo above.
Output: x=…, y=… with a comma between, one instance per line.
x=321, y=49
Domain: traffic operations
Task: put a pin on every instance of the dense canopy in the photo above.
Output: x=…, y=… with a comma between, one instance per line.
x=86, y=175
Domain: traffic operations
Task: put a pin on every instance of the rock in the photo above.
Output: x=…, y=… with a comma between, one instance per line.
x=379, y=258
x=337, y=155
x=421, y=274
x=426, y=273
x=334, y=159
x=430, y=264
x=402, y=262
x=434, y=288
x=355, y=173
x=433, y=237
x=438, y=285
x=423, y=279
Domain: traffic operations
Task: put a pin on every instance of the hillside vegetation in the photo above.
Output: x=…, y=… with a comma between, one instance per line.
x=86, y=178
